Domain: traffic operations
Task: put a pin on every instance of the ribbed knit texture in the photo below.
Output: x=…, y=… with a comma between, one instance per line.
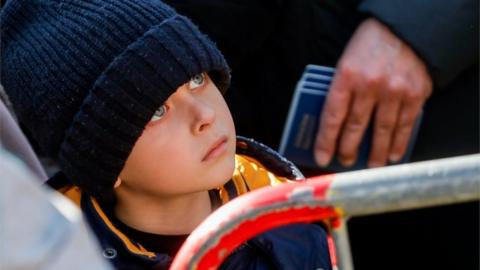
x=86, y=76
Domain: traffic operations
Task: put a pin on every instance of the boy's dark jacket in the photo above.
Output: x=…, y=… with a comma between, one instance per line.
x=300, y=246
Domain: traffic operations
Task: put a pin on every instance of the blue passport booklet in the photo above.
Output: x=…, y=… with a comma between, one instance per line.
x=299, y=134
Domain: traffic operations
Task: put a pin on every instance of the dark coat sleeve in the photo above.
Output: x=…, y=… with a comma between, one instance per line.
x=443, y=33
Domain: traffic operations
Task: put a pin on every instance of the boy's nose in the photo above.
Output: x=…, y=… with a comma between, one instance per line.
x=204, y=118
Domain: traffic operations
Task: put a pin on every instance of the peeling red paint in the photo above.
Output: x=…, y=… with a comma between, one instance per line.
x=257, y=212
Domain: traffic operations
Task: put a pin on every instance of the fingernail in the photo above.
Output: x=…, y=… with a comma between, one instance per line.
x=394, y=158
x=347, y=162
x=322, y=158
x=375, y=164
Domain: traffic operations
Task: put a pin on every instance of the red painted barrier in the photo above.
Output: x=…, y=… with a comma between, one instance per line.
x=252, y=214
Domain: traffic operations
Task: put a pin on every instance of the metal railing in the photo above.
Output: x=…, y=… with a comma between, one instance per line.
x=331, y=199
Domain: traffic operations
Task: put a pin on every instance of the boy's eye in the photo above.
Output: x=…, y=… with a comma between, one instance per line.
x=196, y=81
x=159, y=113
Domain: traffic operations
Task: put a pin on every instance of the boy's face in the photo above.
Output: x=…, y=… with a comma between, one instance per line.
x=187, y=147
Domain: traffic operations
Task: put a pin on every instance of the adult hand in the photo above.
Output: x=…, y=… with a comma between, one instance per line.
x=377, y=76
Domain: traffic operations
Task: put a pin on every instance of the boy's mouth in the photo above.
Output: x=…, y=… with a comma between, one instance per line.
x=217, y=148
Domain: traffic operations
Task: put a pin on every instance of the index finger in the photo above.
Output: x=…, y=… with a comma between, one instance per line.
x=333, y=115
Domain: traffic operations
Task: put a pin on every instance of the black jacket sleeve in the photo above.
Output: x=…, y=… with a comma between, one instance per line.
x=443, y=33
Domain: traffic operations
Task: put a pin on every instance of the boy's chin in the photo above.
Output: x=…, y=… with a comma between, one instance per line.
x=227, y=170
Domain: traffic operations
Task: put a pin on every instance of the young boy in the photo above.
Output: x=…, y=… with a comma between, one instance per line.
x=127, y=96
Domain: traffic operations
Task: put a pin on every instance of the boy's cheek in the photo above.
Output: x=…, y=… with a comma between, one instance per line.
x=230, y=168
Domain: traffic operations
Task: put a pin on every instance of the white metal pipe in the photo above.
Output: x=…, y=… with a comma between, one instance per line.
x=408, y=186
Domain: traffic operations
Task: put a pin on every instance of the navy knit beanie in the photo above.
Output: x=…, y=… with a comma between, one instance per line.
x=85, y=76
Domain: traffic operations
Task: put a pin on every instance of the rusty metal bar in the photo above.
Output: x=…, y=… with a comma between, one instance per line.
x=407, y=186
